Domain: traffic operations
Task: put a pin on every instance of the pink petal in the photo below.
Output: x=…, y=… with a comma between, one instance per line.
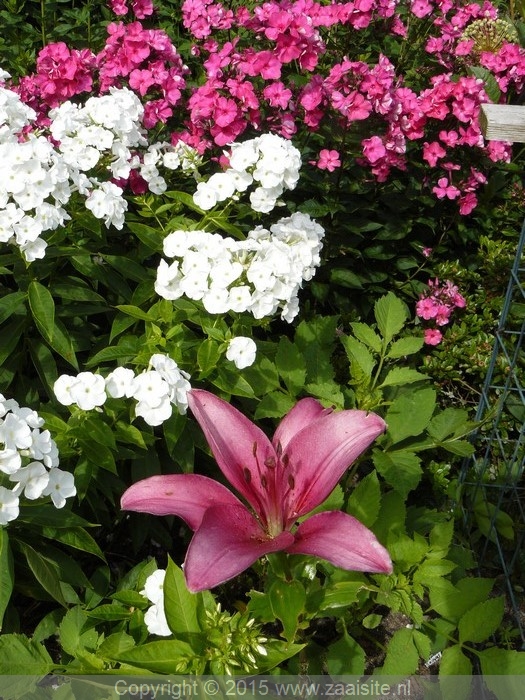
x=240, y=447
x=320, y=453
x=228, y=541
x=185, y=495
x=302, y=414
x=342, y=540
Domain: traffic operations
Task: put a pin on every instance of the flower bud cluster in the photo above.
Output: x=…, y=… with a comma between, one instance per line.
x=104, y=136
x=437, y=305
x=268, y=160
x=29, y=460
x=156, y=390
x=260, y=274
x=488, y=34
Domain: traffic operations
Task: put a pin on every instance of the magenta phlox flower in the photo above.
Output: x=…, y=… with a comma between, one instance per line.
x=280, y=481
x=328, y=160
x=433, y=336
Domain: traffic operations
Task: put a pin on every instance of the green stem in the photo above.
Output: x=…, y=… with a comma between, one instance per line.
x=280, y=563
x=43, y=22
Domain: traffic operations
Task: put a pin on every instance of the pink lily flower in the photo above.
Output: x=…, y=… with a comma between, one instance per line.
x=281, y=481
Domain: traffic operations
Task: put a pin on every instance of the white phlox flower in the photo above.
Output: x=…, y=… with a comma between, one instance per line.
x=270, y=161
x=260, y=275
x=29, y=456
x=155, y=617
x=241, y=351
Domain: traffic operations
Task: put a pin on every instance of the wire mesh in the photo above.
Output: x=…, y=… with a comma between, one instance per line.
x=493, y=488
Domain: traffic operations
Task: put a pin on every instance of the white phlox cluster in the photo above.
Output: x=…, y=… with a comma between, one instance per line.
x=156, y=390
x=155, y=617
x=41, y=173
x=28, y=461
x=260, y=274
x=270, y=161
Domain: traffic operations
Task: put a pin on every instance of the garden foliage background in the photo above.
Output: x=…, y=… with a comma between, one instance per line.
x=267, y=201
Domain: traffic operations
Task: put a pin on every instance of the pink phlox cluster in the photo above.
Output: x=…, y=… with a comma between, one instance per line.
x=139, y=8
x=60, y=74
x=507, y=66
x=201, y=17
x=437, y=305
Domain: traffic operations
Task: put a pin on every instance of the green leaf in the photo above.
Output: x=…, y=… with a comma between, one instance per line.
x=290, y=365
x=274, y=405
x=402, y=657
x=135, y=312
x=45, y=571
x=75, y=537
x=367, y=335
x=315, y=339
x=391, y=315
x=20, y=656
x=345, y=278
x=287, y=599
x=179, y=604
x=451, y=421
x=452, y=602
x=508, y=665
x=42, y=308
x=11, y=303
x=6, y=573
x=345, y=656
x=94, y=427
x=151, y=237
x=208, y=355
x=111, y=612
x=63, y=344
x=478, y=623
x=328, y=392
x=402, y=375
x=359, y=354
x=11, y=334
x=410, y=413
x=490, y=83
x=365, y=500
x=455, y=674
x=404, y=347
x=166, y=656
x=400, y=468
x=341, y=594
x=232, y=382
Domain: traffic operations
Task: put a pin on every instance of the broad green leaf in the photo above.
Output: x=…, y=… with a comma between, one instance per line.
x=507, y=663
x=262, y=376
x=367, y=335
x=93, y=427
x=151, y=237
x=287, y=599
x=124, y=432
x=45, y=572
x=400, y=468
x=128, y=347
x=274, y=405
x=491, y=86
x=11, y=334
x=115, y=644
x=290, y=365
x=455, y=674
x=478, y=623
x=111, y=612
x=276, y=653
x=441, y=537
x=452, y=602
x=166, y=656
x=402, y=656
x=63, y=344
x=232, y=382
x=20, y=656
x=451, y=421
x=11, y=303
x=42, y=308
x=6, y=572
x=208, y=355
x=345, y=656
x=98, y=455
x=315, y=339
x=410, y=413
x=359, y=354
x=76, y=289
x=407, y=551
x=179, y=604
x=391, y=315
x=404, y=347
x=75, y=537
x=70, y=629
x=341, y=594
x=328, y=392
x=346, y=278
x=365, y=500
x=44, y=362
x=402, y=375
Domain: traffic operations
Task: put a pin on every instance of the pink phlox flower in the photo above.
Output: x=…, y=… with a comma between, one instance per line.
x=432, y=152
x=373, y=149
x=445, y=189
x=433, y=336
x=427, y=308
x=421, y=8
x=280, y=482
x=328, y=160
x=277, y=94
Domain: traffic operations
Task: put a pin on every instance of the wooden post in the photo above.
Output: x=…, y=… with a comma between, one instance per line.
x=503, y=122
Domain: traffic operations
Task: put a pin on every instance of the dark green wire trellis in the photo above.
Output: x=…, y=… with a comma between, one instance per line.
x=493, y=487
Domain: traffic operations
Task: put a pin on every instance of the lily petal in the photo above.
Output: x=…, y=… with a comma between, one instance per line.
x=320, y=453
x=185, y=495
x=228, y=541
x=239, y=447
x=301, y=415
x=342, y=540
